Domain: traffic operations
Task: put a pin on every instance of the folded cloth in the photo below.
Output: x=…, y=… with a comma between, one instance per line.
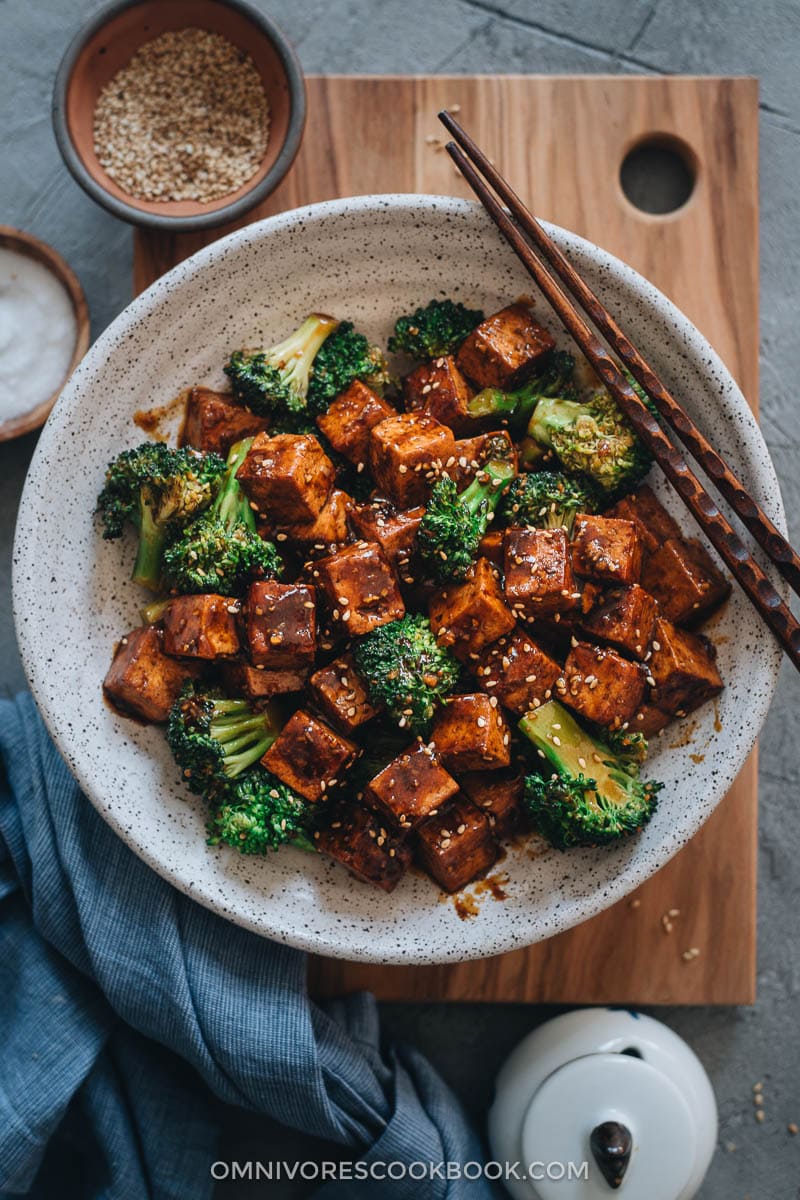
x=129, y=1016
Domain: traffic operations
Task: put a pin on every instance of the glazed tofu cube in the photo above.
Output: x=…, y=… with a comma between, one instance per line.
x=625, y=617
x=474, y=452
x=650, y=720
x=538, y=573
x=457, y=845
x=412, y=787
x=243, y=679
x=651, y=519
x=471, y=734
x=607, y=549
x=356, y=839
x=518, y=672
x=328, y=529
x=215, y=421
x=439, y=389
x=683, y=670
x=360, y=587
x=685, y=581
x=394, y=531
x=602, y=686
x=351, y=417
x=142, y=679
x=281, y=624
x=492, y=546
x=407, y=453
x=499, y=795
x=341, y=694
x=309, y=756
x=288, y=477
x=468, y=616
x=201, y=627
x=504, y=349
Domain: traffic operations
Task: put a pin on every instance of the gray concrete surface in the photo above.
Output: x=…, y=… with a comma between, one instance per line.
x=468, y=1042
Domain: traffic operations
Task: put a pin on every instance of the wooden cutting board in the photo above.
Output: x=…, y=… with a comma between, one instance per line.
x=561, y=141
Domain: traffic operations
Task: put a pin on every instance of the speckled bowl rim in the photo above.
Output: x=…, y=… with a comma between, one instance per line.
x=496, y=938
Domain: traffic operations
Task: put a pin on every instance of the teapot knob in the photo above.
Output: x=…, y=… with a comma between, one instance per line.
x=611, y=1145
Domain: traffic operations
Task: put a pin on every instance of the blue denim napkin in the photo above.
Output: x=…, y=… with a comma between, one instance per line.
x=129, y=1015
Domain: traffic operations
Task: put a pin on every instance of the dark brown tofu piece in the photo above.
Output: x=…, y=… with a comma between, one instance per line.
x=499, y=795
x=412, y=787
x=504, y=349
x=492, y=546
x=625, y=617
x=328, y=529
x=407, y=454
x=394, y=530
x=142, y=679
x=607, y=549
x=650, y=720
x=518, y=672
x=457, y=845
x=683, y=669
x=468, y=616
x=685, y=580
x=474, y=452
x=602, y=686
x=341, y=694
x=288, y=477
x=360, y=587
x=309, y=756
x=281, y=624
x=648, y=514
x=257, y=684
x=470, y=734
x=201, y=627
x=439, y=389
x=349, y=419
x=215, y=421
x=372, y=853
x=539, y=580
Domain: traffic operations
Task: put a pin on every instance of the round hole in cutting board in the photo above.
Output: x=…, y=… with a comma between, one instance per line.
x=658, y=174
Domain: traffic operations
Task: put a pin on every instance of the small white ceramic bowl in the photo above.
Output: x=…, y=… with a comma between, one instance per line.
x=368, y=259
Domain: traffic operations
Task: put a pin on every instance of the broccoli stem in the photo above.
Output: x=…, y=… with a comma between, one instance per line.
x=244, y=735
x=231, y=505
x=147, y=568
x=487, y=487
x=552, y=413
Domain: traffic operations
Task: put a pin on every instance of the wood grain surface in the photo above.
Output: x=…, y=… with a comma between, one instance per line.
x=560, y=142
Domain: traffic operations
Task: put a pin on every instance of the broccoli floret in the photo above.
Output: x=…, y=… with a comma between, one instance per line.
x=275, y=382
x=214, y=739
x=548, y=500
x=629, y=747
x=346, y=356
x=453, y=525
x=157, y=490
x=221, y=551
x=552, y=378
x=258, y=814
x=436, y=328
x=593, y=795
x=406, y=670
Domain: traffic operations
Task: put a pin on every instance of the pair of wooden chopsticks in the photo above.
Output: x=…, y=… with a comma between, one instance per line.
x=520, y=229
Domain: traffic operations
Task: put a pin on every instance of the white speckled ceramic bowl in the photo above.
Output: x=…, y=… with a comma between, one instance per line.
x=369, y=259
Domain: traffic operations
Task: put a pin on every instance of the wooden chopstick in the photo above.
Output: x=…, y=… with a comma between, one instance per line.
x=747, y=572
x=768, y=536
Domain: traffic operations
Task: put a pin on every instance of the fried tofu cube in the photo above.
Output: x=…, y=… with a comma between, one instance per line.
x=373, y=854
x=602, y=686
x=650, y=720
x=626, y=617
x=201, y=627
x=309, y=756
x=395, y=531
x=361, y=588
x=142, y=679
x=499, y=795
x=407, y=453
x=457, y=845
x=504, y=349
x=468, y=616
x=539, y=580
x=412, y=787
x=606, y=548
x=492, y=546
x=328, y=529
x=215, y=421
x=471, y=734
x=654, y=523
x=341, y=694
x=281, y=624
x=288, y=477
x=439, y=389
x=685, y=580
x=474, y=452
x=518, y=672
x=257, y=684
x=683, y=670
x=351, y=417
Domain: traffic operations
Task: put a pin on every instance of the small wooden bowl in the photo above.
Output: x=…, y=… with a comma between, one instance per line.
x=110, y=40
x=26, y=243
